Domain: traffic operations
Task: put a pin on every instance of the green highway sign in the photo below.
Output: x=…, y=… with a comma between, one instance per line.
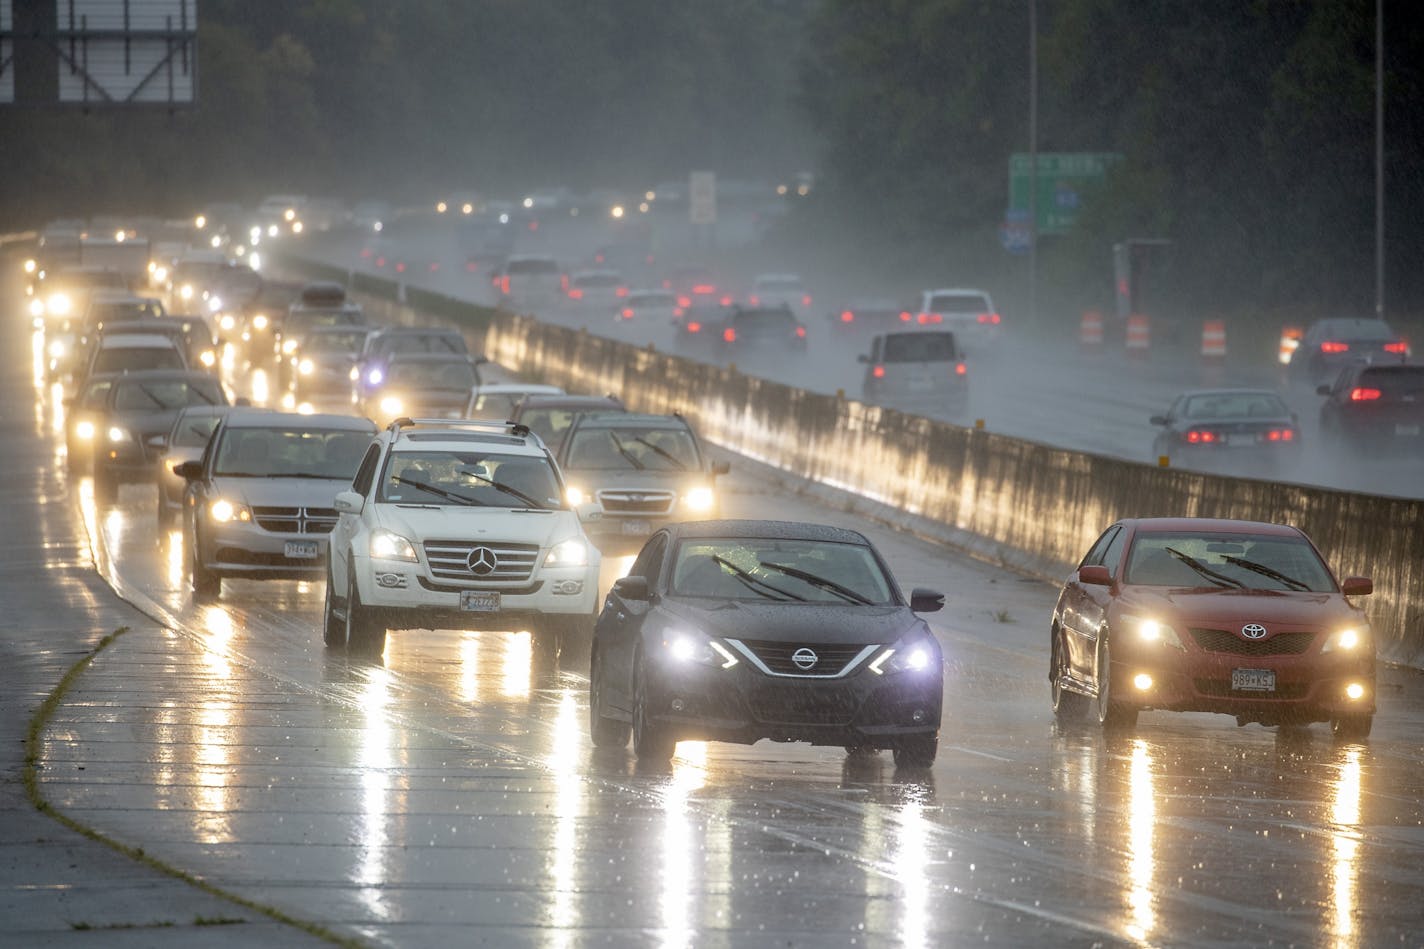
x=1063, y=177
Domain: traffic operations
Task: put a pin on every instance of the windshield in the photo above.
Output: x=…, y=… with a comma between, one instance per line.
x=1234, y=405
x=919, y=347
x=1228, y=561
x=285, y=451
x=419, y=343
x=194, y=430
x=127, y=310
x=779, y=570
x=598, y=280
x=300, y=320
x=449, y=478
x=431, y=375
x=341, y=343
x=636, y=447
x=157, y=395
x=532, y=267
x=136, y=359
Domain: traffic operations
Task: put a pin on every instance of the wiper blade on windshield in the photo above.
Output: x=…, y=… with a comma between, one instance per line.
x=757, y=585
x=438, y=492
x=155, y=399
x=307, y=474
x=501, y=486
x=632, y=459
x=1220, y=579
x=821, y=583
x=1270, y=572
x=662, y=453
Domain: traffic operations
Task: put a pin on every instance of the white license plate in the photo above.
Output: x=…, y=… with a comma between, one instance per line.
x=1253, y=680
x=1241, y=441
x=920, y=384
x=300, y=549
x=636, y=528
x=478, y=601
x=1406, y=430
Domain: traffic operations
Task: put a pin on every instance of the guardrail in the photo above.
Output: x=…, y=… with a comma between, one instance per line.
x=1010, y=501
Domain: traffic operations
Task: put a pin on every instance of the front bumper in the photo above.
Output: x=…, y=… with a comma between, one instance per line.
x=409, y=597
x=238, y=549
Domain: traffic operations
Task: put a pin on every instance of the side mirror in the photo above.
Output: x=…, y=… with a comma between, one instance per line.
x=1095, y=575
x=189, y=470
x=159, y=443
x=926, y=601
x=631, y=588
x=1158, y=420
x=720, y=468
x=589, y=511
x=1357, y=586
x=1322, y=390
x=348, y=502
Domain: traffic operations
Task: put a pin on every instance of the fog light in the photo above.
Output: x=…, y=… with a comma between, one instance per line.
x=678, y=705
x=1143, y=681
x=394, y=581
x=918, y=717
x=568, y=587
x=1355, y=691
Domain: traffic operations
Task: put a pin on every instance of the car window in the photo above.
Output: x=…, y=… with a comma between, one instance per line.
x=779, y=571
x=1218, y=405
x=96, y=396
x=1100, y=546
x=135, y=359
x=289, y=451
x=333, y=342
x=159, y=395
x=919, y=347
x=432, y=375
x=959, y=303
x=639, y=448
x=469, y=478
x=366, y=473
x=192, y=431
x=1229, y=561
x=532, y=267
x=1393, y=380
x=1112, y=554
x=650, y=561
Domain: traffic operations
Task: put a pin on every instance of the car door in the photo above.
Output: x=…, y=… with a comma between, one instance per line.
x=348, y=524
x=620, y=625
x=1082, y=606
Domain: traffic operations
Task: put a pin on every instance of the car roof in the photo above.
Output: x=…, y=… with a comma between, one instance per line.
x=135, y=341
x=248, y=417
x=416, y=331
x=982, y=293
x=499, y=388
x=1211, y=525
x=779, y=530
x=1231, y=390
x=571, y=402
x=455, y=439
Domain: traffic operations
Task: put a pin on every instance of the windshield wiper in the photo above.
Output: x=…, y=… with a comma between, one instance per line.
x=755, y=584
x=1270, y=572
x=155, y=399
x=821, y=583
x=632, y=459
x=438, y=492
x=1220, y=579
x=662, y=452
x=306, y=474
x=501, y=486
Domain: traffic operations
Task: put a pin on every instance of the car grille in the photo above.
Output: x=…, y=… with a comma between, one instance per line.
x=295, y=520
x=450, y=560
x=1225, y=641
x=784, y=704
x=1221, y=688
x=636, y=502
x=831, y=658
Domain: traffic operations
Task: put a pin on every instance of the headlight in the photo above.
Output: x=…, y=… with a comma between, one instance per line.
x=571, y=553
x=919, y=654
x=84, y=430
x=388, y=545
x=1346, y=640
x=117, y=434
x=700, y=499
x=686, y=646
x=214, y=304
x=306, y=367
x=59, y=304
x=575, y=495
x=392, y=405
x=58, y=348
x=228, y=321
x=289, y=346
x=186, y=291
x=160, y=274
x=223, y=511
x=1149, y=630
x=30, y=266
x=37, y=307
x=208, y=358
x=375, y=377
x=259, y=322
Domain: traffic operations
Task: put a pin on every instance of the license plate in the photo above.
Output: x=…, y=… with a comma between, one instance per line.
x=1253, y=680
x=636, y=528
x=300, y=550
x=921, y=385
x=1412, y=430
x=478, y=601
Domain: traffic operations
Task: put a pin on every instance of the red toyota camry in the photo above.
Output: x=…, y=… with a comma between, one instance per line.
x=1199, y=615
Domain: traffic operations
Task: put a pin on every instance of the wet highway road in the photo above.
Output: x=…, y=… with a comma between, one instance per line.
x=446, y=792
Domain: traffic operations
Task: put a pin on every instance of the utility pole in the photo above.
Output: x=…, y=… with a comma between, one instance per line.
x=1033, y=162
x=1379, y=159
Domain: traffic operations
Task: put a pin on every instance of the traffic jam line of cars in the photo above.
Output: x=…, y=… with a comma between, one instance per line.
x=428, y=497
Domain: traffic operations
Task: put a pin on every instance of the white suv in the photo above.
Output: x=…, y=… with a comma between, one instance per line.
x=459, y=525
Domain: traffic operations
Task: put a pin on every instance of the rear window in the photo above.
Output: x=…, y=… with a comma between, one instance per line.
x=1361, y=330
x=532, y=267
x=599, y=280
x=420, y=343
x=284, y=452
x=787, y=284
x=652, y=299
x=1220, y=405
x=1394, y=379
x=959, y=303
x=195, y=430
x=919, y=347
x=764, y=318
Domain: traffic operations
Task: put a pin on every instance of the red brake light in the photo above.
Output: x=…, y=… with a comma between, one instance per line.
x=621, y=292
x=904, y=317
x=960, y=369
x=400, y=267
x=365, y=253
x=1198, y=436
x=1359, y=394
x=806, y=299
x=1398, y=346
x=434, y=266
x=727, y=300
x=694, y=327
x=504, y=284
x=992, y=318
x=598, y=258
x=380, y=261
x=729, y=334
x=878, y=372
x=684, y=301
x=801, y=332
x=576, y=293
x=627, y=313
x=1333, y=347
x=931, y=318
x=471, y=266
x=1281, y=435
x=754, y=300
x=847, y=316
x=703, y=288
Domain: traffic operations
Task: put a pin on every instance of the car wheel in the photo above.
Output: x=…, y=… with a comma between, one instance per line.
x=606, y=732
x=207, y=584
x=1352, y=727
x=1112, y=715
x=1068, y=706
x=333, y=628
x=364, y=630
x=548, y=634
x=916, y=751
x=651, y=741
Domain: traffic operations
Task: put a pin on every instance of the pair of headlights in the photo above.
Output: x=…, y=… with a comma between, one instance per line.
x=700, y=499
x=87, y=431
x=388, y=545
x=1151, y=630
x=913, y=654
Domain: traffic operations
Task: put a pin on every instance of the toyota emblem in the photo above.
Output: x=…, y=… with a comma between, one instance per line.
x=804, y=658
x=482, y=561
x=1253, y=631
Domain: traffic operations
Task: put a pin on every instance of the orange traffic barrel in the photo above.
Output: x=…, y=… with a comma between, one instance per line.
x=1214, y=340
x=1290, y=342
x=1139, y=335
x=1090, y=330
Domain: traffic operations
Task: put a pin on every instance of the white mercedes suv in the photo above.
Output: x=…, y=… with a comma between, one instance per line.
x=459, y=525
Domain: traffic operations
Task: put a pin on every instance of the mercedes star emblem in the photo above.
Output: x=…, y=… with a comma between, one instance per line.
x=1253, y=631
x=482, y=561
x=804, y=658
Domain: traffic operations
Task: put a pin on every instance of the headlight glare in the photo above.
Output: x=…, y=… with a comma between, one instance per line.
x=224, y=511
x=208, y=358
x=259, y=322
x=289, y=346
x=918, y=654
x=685, y=646
x=392, y=405
x=1345, y=640
x=306, y=367
x=575, y=495
x=700, y=499
x=117, y=434
x=84, y=429
x=59, y=304
x=388, y=545
x=570, y=553
x=1154, y=631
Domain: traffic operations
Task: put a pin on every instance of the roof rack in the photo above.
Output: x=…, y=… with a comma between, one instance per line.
x=469, y=424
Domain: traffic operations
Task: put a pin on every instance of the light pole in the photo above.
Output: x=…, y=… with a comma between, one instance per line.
x=1379, y=159
x=1033, y=162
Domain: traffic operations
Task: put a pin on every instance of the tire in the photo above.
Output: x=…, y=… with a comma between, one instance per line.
x=333, y=628
x=651, y=742
x=1111, y=714
x=548, y=635
x=606, y=732
x=207, y=585
x=1351, y=727
x=916, y=751
x=1068, y=706
x=364, y=630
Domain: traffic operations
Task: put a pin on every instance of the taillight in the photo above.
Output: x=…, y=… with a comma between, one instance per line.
x=754, y=300
x=677, y=311
x=1281, y=435
x=1333, y=347
x=563, y=281
x=1359, y=394
x=904, y=317
x=694, y=327
x=703, y=288
x=627, y=313
x=931, y=318
x=729, y=335
x=806, y=299
x=504, y=285
x=365, y=253
x=801, y=332
x=434, y=266
x=621, y=292
x=400, y=267
x=1199, y=436
x=1398, y=346
x=847, y=316
x=471, y=266
x=684, y=301
x=960, y=369
x=576, y=293
x=878, y=372
x=726, y=299
x=598, y=258
x=380, y=261
x=992, y=318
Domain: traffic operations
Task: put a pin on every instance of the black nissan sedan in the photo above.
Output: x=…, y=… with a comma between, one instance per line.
x=742, y=630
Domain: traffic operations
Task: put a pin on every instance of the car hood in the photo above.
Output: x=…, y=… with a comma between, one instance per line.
x=795, y=622
x=630, y=479
x=281, y=492
x=1231, y=609
x=480, y=524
